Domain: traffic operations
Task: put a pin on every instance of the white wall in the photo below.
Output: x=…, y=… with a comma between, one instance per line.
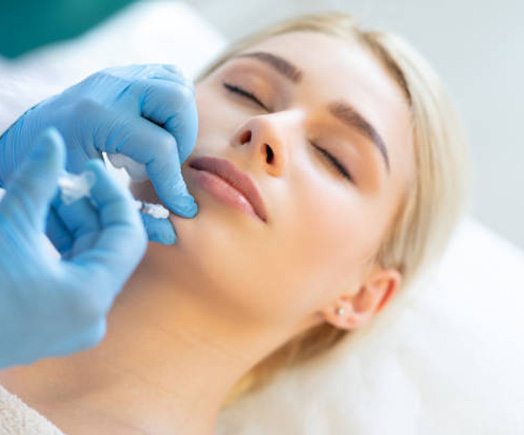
x=477, y=48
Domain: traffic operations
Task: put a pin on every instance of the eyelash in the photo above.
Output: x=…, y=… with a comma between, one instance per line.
x=332, y=159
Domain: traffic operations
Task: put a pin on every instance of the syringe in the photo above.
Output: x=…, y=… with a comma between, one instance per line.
x=73, y=187
x=156, y=210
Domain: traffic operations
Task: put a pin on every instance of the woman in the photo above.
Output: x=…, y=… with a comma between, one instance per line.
x=351, y=143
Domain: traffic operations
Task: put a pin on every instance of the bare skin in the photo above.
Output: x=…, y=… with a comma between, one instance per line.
x=197, y=315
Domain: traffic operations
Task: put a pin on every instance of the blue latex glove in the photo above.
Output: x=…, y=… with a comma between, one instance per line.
x=145, y=112
x=50, y=306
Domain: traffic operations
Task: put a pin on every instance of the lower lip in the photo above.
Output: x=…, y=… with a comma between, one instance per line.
x=223, y=190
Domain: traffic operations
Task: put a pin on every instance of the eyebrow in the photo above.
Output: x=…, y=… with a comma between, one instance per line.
x=281, y=65
x=340, y=109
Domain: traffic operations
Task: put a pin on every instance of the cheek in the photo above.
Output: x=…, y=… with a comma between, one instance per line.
x=206, y=117
x=217, y=120
x=325, y=243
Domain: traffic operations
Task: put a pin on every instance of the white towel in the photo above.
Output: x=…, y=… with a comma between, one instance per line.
x=16, y=418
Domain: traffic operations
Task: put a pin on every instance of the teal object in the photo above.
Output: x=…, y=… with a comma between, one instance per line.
x=28, y=24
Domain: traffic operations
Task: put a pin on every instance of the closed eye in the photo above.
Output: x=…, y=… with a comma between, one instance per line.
x=332, y=159
x=245, y=93
x=335, y=162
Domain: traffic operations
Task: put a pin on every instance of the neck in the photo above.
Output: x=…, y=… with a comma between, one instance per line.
x=166, y=364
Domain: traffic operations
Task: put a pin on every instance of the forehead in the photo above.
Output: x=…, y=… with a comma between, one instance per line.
x=335, y=68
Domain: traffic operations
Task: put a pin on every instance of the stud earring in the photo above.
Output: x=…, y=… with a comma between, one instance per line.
x=341, y=311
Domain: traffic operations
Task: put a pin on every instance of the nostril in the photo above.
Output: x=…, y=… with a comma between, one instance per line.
x=245, y=137
x=270, y=154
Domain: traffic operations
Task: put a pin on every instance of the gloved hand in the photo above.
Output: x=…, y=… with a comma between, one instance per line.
x=50, y=306
x=145, y=112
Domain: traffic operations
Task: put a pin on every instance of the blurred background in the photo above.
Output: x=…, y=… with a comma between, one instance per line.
x=476, y=47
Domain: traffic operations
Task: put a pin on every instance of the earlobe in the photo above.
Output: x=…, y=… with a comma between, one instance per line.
x=344, y=316
x=354, y=311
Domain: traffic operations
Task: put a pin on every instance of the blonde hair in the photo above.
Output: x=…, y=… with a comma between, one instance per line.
x=433, y=203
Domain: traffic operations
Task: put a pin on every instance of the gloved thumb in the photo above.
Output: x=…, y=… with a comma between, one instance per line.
x=31, y=188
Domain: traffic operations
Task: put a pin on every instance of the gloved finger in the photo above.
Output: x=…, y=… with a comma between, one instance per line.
x=122, y=240
x=169, y=105
x=82, y=223
x=81, y=244
x=31, y=188
x=67, y=222
x=159, y=230
x=148, y=144
x=58, y=233
x=172, y=106
x=79, y=217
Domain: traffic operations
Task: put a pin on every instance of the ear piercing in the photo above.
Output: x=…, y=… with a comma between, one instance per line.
x=340, y=311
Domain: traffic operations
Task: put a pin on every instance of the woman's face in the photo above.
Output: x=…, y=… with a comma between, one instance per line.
x=314, y=99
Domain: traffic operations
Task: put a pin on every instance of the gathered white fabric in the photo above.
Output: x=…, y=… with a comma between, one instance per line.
x=16, y=418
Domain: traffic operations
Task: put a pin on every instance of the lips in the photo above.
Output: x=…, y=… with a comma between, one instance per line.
x=235, y=177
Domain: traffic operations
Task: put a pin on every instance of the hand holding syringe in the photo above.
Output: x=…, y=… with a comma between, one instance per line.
x=145, y=112
x=73, y=187
x=55, y=305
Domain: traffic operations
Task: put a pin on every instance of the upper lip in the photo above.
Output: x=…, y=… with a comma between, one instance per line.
x=235, y=177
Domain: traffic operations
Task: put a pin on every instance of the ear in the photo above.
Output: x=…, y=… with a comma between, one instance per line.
x=352, y=311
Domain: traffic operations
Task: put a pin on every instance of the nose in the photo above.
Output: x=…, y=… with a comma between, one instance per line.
x=268, y=135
